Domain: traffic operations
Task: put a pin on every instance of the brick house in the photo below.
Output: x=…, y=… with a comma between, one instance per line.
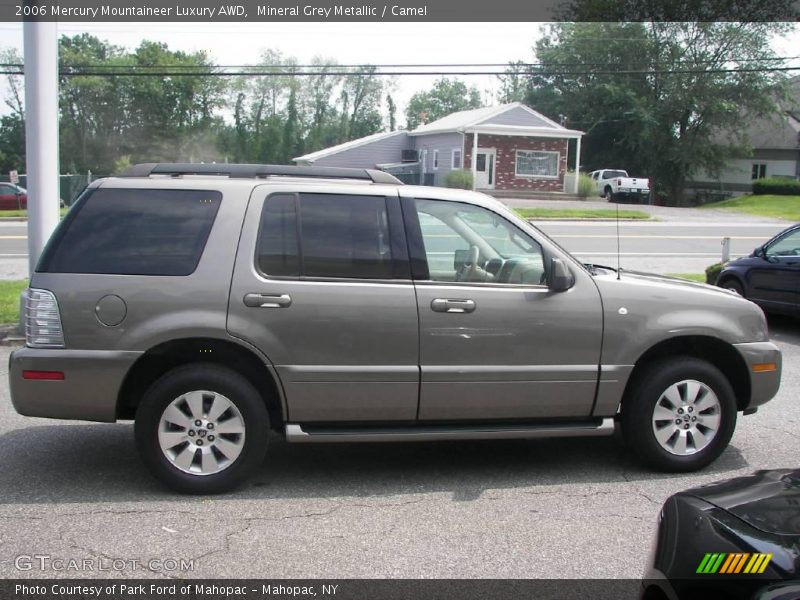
x=510, y=147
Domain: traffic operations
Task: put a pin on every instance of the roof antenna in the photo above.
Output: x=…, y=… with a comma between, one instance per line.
x=619, y=268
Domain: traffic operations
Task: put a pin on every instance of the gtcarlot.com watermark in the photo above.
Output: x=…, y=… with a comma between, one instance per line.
x=59, y=564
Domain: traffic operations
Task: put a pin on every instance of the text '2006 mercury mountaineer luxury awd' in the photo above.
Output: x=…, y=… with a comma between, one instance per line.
x=212, y=303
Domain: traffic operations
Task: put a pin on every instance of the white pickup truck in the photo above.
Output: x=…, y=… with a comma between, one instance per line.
x=616, y=186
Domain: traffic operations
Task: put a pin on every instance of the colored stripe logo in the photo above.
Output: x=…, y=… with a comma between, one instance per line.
x=732, y=563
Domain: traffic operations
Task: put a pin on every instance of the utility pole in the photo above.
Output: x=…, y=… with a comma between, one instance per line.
x=41, y=134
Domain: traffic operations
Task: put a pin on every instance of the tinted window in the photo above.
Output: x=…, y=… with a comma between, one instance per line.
x=134, y=232
x=278, y=250
x=340, y=236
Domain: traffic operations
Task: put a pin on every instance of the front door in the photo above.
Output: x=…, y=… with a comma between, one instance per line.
x=322, y=287
x=485, y=169
x=495, y=341
x=775, y=282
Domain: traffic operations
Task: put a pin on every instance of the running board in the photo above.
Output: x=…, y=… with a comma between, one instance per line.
x=428, y=433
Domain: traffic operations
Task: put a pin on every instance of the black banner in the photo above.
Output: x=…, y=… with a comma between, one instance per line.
x=403, y=10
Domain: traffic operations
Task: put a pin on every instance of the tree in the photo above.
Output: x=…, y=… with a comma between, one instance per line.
x=513, y=84
x=392, y=108
x=665, y=100
x=447, y=96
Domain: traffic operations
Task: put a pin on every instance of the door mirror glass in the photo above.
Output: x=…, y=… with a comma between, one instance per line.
x=560, y=279
x=759, y=252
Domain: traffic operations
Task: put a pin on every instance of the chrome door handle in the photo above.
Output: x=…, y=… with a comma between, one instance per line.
x=267, y=300
x=452, y=305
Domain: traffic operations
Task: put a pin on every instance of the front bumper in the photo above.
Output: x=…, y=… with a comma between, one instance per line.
x=89, y=390
x=763, y=384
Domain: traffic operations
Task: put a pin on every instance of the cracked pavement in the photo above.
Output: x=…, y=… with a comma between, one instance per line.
x=504, y=509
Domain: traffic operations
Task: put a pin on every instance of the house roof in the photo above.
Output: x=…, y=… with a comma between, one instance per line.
x=313, y=156
x=488, y=120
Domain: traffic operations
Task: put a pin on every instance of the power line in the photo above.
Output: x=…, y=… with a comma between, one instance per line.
x=80, y=72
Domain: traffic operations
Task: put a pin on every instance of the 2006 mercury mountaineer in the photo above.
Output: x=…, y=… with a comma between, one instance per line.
x=212, y=303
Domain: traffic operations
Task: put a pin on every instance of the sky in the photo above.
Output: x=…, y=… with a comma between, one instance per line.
x=347, y=43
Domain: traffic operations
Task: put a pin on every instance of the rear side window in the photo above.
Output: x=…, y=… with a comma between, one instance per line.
x=134, y=232
x=325, y=235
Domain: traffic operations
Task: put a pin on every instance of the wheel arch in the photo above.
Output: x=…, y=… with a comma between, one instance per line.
x=713, y=350
x=727, y=276
x=168, y=355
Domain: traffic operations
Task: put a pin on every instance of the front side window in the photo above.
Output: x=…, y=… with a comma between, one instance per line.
x=134, y=232
x=788, y=245
x=466, y=243
x=533, y=163
x=325, y=235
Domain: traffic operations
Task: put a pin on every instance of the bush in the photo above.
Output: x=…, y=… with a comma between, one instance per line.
x=779, y=186
x=586, y=186
x=461, y=179
x=712, y=272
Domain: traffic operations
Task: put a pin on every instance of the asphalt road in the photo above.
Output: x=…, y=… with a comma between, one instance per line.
x=655, y=246
x=516, y=509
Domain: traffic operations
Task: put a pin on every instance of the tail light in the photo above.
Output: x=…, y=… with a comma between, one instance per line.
x=619, y=181
x=42, y=320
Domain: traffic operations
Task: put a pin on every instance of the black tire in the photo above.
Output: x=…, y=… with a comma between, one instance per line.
x=215, y=378
x=732, y=284
x=609, y=195
x=640, y=402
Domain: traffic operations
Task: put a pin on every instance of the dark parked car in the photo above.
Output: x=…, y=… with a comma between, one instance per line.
x=770, y=276
x=732, y=539
x=12, y=197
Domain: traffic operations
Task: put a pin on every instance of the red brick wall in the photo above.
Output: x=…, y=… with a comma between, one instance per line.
x=506, y=148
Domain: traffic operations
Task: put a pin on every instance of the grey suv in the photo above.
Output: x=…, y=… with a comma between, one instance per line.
x=212, y=303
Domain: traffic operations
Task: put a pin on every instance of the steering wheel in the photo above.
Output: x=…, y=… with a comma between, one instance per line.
x=467, y=271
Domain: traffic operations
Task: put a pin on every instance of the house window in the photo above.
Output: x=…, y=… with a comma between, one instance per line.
x=534, y=163
x=435, y=160
x=456, y=164
x=759, y=171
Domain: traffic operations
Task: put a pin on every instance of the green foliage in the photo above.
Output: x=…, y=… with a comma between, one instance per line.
x=780, y=207
x=123, y=163
x=460, y=179
x=580, y=213
x=657, y=98
x=9, y=299
x=778, y=186
x=107, y=121
x=447, y=96
x=586, y=186
x=712, y=272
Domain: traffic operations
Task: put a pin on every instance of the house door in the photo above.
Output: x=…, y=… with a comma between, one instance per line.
x=484, y=169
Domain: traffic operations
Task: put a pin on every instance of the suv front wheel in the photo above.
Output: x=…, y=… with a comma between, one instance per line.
x=679, y=415
x=202, y=428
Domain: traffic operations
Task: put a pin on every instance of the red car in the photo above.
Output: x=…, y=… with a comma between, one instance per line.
x=8, y=197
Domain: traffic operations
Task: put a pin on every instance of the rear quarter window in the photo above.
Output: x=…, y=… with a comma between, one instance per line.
x=134, y=232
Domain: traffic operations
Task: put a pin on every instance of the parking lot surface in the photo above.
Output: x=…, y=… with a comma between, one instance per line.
x=508, y=509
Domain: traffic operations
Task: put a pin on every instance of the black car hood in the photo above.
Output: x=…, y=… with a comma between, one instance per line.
x=766, y=500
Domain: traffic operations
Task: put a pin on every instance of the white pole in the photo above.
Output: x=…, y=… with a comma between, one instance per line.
x=474, y=159
x=577, y=165
x=41, y=134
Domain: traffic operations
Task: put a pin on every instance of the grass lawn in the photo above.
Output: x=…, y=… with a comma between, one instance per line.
x=9, y=299
x=580, y=213
x=782, y=207
x=698, y=277
x=23, y=213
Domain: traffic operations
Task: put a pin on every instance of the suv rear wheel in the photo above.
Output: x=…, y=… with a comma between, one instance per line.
x=680, y=414
x=202, y=428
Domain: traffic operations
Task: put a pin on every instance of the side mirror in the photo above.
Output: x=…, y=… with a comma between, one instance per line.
x=561, y=279
x=759, y=252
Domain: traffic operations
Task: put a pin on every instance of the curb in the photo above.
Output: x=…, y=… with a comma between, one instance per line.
x=9, y=335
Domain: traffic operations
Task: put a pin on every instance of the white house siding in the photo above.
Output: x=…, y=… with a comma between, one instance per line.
x=367, y=156
x=737, y=177
x=444, y=143
x=517, y=116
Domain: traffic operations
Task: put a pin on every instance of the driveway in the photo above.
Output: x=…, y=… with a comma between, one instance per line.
x=504, y=509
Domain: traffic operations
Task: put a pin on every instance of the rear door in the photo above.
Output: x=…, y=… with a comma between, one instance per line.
x=322, y=286
x=495, y=342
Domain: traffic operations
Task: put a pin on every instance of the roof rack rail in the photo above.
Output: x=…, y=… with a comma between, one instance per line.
x=256, y=171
